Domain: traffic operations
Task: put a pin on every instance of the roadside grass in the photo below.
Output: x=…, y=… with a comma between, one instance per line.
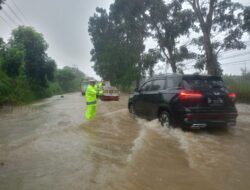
x=239, y=85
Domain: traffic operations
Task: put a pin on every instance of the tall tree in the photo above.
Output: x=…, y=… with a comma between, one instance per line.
x=169, y=22
x=50, y=68
x=35, y=58
x=65, y=77
x=2, y=51
x=221, y=23
x=149, y=60
x=247, y=18
x=105, y=40
x=118, y=39
x=2, y=46
x=129, y=17
x=13, y=58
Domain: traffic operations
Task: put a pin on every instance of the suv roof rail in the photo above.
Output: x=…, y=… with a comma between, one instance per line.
x=161, y=75
x=166, y=74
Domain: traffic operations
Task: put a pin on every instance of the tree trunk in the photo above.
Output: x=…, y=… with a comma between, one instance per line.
x=212, y=64
x=172, y=61
x=173, y=66
x=211, y=59
x=151, y=71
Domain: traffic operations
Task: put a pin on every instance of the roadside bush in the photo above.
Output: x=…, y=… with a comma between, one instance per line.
x=239, y=85
x=5, y=89
x=54, y=89
x=23, y=92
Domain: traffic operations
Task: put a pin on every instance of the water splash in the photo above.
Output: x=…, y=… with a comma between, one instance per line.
x=137, y=144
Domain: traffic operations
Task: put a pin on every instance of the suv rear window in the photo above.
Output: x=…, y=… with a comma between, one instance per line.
x=203, y=83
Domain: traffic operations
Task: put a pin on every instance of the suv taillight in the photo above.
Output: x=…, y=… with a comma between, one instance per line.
x=232, y=96
x=185, y=94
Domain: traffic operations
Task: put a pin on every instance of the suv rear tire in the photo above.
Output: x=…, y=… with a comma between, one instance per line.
x=165, y=119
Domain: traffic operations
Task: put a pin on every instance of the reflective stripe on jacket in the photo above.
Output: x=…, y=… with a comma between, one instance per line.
x=91, y=103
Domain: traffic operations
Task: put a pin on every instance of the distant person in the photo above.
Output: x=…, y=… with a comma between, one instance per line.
x=99, y=88
x=90, y=95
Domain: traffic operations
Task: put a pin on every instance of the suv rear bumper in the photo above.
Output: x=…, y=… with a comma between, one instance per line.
x=210, y=119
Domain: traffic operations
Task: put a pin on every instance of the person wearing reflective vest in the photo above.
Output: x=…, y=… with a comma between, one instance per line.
x=99, y=88
x=90, y=96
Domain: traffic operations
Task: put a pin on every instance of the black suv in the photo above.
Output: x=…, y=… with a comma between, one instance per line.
x=190, y=101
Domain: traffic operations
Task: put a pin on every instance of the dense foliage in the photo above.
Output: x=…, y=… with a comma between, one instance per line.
x=118, y=39
x=119, y=35
x=221, y=26
x=239, y=85
x=247, y=18
x=27, y=73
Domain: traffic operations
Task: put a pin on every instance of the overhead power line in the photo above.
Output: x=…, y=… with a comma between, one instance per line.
x=189, y=66
x=5, y=21
x=236, y=62
x=20, y=11
x=9, y=17
x=223, y=58
x=236, y=55
x=13, y=12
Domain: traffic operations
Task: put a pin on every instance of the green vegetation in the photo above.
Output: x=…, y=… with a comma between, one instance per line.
x=224, y=17
x=169, y=22
x=26, y=71
x=118, y=43
x=69, y=78
x=119, y=36
x=239, y=85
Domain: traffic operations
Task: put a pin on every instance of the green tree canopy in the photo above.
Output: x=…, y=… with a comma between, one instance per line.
x=38, y=67
x=150, y=59
x=50, y=68
x=169, y=22
x=220, y=22
x=65, y=77
x=118, y=39
x=2, y=48
x=27, y=73
x=13, y=58
x=247, y=18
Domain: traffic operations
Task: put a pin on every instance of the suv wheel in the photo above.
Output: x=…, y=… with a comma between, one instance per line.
x=164, y=118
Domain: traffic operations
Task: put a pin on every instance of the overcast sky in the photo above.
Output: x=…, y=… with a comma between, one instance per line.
x=64, y=25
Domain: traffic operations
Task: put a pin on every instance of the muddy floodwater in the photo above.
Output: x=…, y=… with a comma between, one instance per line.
x=49, y=146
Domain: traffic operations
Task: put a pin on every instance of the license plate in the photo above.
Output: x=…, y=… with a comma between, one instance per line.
x=217, y=101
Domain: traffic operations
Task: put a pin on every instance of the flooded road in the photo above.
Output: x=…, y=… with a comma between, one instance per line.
x=49, y=145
